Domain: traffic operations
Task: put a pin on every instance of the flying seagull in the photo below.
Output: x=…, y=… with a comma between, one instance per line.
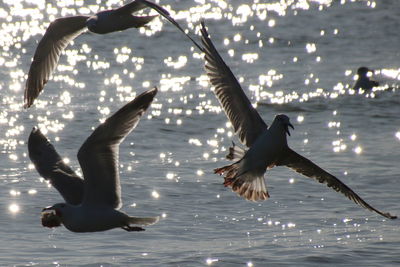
x=363, y=81
x=267, y=146
x=93, y=203
x=63, y=30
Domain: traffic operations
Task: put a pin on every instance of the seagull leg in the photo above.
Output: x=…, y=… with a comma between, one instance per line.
x=132, y=228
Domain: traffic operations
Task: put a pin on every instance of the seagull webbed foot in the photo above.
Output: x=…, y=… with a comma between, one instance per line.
x=132, y=228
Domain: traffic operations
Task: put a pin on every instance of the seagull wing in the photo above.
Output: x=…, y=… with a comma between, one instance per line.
x=306, y=167
x=51, y=167
x=131, y=7
x=98, y=156
x=55, y=40
x=244, y=117
x=141, y=4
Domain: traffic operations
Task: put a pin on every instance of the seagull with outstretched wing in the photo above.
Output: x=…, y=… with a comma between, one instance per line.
x=63, y=30
x=91, y=204
x=267, y=146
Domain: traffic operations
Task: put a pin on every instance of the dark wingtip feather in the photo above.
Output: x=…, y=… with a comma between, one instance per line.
x=388, y=215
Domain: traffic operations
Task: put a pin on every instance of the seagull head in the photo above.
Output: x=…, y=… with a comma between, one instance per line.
x=91, y=23
x=53, y=216
x=284, y=120
x=363, y=71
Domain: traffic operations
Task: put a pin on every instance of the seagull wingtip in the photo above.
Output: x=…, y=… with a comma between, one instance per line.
x=27, y=104
x=154, y=89
x=35, y=130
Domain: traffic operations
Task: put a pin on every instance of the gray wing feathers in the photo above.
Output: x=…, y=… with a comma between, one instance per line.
x=98, y=156
x=306, y=167
x=55, y=40
x=245, y=119
x=51, y=167
x=131, y=7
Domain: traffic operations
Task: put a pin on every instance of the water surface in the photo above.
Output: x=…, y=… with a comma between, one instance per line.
x=292, y=57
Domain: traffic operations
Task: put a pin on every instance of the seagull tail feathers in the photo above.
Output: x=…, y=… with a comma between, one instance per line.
x=235, y=152
x=143, y=220
x=249, y=185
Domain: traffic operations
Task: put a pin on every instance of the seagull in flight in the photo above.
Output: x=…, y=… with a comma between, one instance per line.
x=363, y=81
x=267, y=146
x=63, y=30
x=91, y=204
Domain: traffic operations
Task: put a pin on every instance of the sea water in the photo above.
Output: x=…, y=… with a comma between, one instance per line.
x=293, y=57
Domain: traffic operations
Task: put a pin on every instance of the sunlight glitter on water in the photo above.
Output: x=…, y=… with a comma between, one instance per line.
x=130, y=66
x=14, y=193
x=391, y=73
x=176, y=64
x=249, y=57
x=210, y=261
x=170, y=176
x=32, y=191
x=155, y=194
x=397, y=134
x=174, y=84
x=338, y=145
x=14, y=208
x=358, y=150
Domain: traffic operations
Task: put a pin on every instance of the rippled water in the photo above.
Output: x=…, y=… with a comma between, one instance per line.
x=292, y=57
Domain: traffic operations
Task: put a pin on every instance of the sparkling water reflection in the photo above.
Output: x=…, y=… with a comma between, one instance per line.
x=294, y=57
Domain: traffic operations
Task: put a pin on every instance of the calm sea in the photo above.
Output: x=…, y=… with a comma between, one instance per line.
x=294, y=57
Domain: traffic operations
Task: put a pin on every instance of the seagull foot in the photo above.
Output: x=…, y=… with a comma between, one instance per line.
x=133, y=228
x=228, y=181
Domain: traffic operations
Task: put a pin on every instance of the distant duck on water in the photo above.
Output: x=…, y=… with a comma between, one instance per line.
x=363, y=80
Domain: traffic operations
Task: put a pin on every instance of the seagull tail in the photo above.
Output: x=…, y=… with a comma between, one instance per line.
x=249, y=185
x=143, y=220
x=235, y=152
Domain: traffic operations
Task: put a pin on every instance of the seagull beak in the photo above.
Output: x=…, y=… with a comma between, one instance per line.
x=51, y=209
x=287, y=128
x=47, y=208
x=51, y=217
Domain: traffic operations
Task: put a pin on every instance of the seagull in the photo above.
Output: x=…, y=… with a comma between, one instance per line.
x=63, y=30
x=267, y=146
x=363, y=81
x=91, y=204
